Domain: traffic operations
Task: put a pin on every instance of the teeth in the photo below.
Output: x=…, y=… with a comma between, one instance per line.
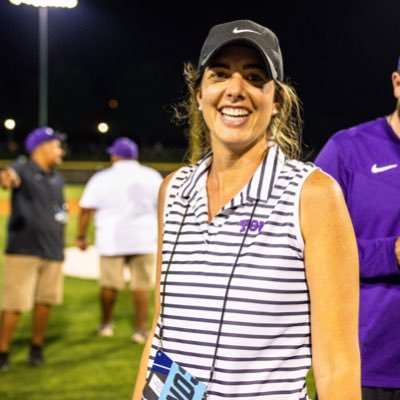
x=234, y=112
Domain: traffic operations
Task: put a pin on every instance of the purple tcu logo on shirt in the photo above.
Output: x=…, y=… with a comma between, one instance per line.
x=254, y=225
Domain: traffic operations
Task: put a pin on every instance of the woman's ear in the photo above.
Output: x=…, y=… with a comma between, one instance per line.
x=198, y=98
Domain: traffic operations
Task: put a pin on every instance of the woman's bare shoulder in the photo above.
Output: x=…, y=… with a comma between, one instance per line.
x=320, y=187
x=164, y=186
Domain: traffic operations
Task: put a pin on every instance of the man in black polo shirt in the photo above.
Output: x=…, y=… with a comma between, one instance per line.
x=34, y=252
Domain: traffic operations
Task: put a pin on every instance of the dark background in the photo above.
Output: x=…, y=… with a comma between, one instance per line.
x=339, y=56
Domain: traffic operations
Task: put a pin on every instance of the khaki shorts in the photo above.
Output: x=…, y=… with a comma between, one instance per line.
x=28, y=280
x=142, y=270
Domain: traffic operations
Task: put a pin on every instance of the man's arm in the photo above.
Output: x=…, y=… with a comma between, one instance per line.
x=9, y=179
x=84, y=219
x=379, y=256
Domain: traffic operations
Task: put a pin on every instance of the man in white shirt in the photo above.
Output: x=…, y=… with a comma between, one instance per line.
x=123, y=199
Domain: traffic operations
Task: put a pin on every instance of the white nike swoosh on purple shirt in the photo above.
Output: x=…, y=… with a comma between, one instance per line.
x=376, y=170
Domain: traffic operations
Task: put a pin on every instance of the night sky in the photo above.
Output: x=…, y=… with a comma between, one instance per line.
x=338, y=55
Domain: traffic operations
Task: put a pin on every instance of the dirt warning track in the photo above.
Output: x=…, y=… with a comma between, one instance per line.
x=73, y=206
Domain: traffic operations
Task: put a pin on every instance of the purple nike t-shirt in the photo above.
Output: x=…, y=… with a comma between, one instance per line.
x=365, y=160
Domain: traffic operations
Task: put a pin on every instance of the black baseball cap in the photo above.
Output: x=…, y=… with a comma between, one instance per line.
x=246, y=32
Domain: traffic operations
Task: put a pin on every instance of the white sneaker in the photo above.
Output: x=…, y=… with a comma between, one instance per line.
x=139, y=337
x=106, y=330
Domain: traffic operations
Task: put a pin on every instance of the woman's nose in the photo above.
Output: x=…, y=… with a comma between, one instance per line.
x=235, y=90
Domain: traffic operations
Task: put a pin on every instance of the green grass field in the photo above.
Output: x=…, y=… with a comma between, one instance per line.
x=80, y=365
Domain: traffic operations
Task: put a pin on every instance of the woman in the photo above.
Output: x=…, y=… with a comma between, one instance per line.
x=257, y=256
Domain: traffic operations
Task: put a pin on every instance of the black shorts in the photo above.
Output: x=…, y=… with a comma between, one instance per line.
x=372, y=393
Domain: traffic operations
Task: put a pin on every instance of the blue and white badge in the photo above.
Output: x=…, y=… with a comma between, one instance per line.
x=61, y=213
x=168, y=381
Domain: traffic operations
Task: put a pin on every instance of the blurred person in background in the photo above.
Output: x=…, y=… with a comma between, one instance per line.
x=123, y=199
x=32, y=271
x=365, y=160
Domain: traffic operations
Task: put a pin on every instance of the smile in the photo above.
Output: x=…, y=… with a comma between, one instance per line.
x=234, y=117
x=234, y=112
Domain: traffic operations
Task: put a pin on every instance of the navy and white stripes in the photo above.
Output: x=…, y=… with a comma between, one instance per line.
x=264, y=349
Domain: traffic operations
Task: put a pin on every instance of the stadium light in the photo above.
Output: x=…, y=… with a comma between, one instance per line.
x=47, y=3
x=43, y=46
x=103, y=127
x=9, y=124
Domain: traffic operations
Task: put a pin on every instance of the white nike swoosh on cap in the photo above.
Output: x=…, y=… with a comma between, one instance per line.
x=237, y=30
x=375, y=169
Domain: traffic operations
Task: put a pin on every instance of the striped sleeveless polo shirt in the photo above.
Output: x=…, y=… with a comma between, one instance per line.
x=238, y=282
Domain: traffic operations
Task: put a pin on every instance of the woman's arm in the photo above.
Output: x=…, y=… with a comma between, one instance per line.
x=142, y=373
x=331, y=263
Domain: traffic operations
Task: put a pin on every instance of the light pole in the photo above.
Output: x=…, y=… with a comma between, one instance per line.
x=10, y=125
x=43, y=65
x=43, y=47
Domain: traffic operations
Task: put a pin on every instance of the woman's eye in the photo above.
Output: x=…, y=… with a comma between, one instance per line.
x=219, y=74
x=256, y=78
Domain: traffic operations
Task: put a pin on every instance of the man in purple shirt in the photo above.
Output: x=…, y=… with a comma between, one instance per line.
x=365, y=160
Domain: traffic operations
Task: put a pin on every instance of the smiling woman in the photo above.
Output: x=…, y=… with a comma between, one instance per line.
x=251, y=244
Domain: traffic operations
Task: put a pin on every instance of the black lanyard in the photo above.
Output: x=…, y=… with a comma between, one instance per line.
x=166, y=275
x=226, y=291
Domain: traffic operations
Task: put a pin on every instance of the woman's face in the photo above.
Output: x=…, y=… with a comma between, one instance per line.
x=236, y=97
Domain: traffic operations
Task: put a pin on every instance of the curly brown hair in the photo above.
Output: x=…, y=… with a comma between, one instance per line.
x=285, y=127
